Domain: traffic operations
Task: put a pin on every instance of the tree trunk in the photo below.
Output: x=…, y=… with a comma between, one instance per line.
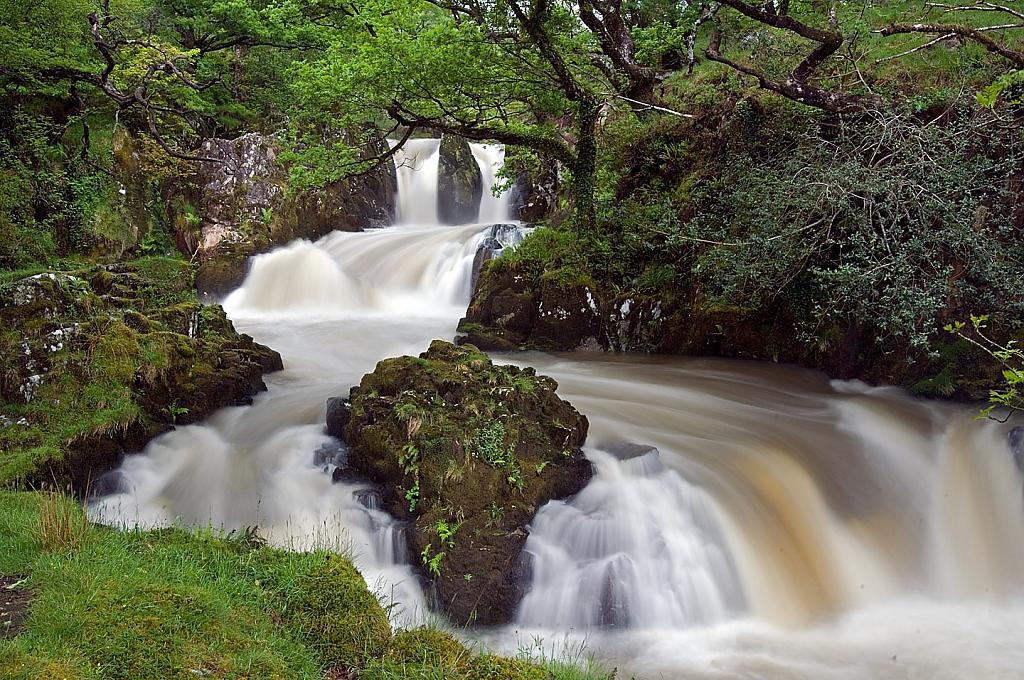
x=584, y=166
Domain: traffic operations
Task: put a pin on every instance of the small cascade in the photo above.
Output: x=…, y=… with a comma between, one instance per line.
x=416, y=164
x=639, y=547
x=491, y=159
x=300, y=278
x=401, y=271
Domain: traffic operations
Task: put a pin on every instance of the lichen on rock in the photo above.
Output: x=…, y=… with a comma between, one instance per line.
x=96, y=362
x=466, y=451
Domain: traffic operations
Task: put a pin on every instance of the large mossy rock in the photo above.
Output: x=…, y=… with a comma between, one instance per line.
x=460, y=186
x=467, y=451
x=95, y=363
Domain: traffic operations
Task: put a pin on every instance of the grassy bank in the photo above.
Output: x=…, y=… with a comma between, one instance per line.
x=173, y=604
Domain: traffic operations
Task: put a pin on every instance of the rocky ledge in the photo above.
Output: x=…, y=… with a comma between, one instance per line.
x=243, y=205
x=466, y=452
x=518, y=305
x=94, y=363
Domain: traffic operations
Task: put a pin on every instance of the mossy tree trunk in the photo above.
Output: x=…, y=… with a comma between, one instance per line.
x=584, y=166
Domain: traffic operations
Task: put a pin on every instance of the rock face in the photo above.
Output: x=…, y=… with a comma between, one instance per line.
x=512, y=309
x=460, y=185
x=95, y=363
x=535, y=192
x=499, y=238
x=516, y=307
x=467, y=452
x=241, y=206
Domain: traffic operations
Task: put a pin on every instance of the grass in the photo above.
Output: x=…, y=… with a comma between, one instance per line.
x=169, y=603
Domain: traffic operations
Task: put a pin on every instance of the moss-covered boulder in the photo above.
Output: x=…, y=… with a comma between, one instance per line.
x=96, y=362
x=510, y=310
x=467, y=451
x=460, y=186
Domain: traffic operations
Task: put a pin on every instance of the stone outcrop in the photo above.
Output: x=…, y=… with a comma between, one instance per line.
x=535, y=192
x=515, y=307
x=460, y=185
x=242, y=206
x=97, y=362
x=466, y=452
x=500, y=237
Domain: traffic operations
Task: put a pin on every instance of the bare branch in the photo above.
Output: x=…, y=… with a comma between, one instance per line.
x=926, y=45
x=1017, y=58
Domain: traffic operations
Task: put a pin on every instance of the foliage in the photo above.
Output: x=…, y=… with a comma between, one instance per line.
x=889, y=224
x=1009, y=398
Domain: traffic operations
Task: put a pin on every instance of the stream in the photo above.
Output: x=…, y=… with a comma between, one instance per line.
x=745, y=520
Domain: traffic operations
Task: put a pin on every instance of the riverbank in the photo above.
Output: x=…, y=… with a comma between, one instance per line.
x=104, y=603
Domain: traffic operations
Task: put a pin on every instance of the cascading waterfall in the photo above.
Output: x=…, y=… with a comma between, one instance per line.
x=745, y=520
x=416, y=166
x=639, y=547
x=809, y=525
x=491, y=158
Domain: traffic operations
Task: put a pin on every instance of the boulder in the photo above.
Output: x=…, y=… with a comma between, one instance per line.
x=460, y=185
x=339, y=412
x=95, y=363
x=513, y=309
x=466, y=452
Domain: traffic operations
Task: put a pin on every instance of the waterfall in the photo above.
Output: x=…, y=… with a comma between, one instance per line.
x=491, y=158
x=745, y=520
x=402, y=271
x=416, y=165
x=639, y=547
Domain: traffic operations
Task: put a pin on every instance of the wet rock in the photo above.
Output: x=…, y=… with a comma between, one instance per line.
x=339, y=412
x=510, y=309
x=466, y=451
x=369, y=498
x=499, y=238
x=460, y=185
x=628, y=450
x=331, y=455
x=242, y=206
x=567, y=317
x=1016, y=441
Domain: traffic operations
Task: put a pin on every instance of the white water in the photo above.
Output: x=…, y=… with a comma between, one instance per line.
x=416, y=164
x=851, y=516
x=254, y=466
x=786, y=527
x=491, y=159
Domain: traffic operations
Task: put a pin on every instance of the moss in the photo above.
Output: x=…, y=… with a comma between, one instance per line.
x=490, y=667
x=91, y=365
x=449, y=434
x=428, y=646
x=334, y=613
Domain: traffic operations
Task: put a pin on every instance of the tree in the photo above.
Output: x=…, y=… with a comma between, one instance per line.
x=820, y=24
x=537, y=74
x=161, y=69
